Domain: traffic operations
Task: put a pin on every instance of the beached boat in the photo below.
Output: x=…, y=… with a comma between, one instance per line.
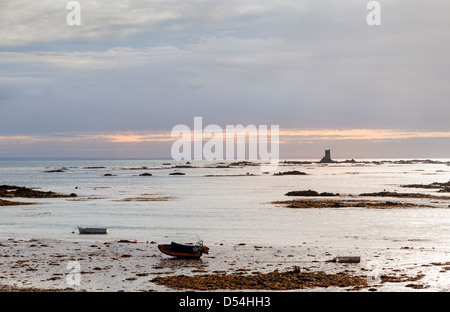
x=86, y=230
x=184, y=251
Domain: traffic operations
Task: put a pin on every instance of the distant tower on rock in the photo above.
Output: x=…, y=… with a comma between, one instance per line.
x=327, y=157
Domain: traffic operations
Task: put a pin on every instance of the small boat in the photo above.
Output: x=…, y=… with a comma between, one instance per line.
x=86, y=230
x=184, y=251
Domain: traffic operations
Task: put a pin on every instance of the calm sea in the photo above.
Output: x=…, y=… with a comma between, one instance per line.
x=234, y=207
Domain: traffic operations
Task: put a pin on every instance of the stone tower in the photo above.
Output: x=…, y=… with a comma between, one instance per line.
x=327, y=157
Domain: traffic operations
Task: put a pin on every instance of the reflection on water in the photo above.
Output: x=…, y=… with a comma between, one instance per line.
x=219, y=205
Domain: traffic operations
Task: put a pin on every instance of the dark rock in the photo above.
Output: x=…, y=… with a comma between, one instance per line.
x=294, y=172
x=25, y=192
x=296, y=162
x=63, y=169
x=243, y=163
x=4, y=202
x=443, y=187
x=309, y=193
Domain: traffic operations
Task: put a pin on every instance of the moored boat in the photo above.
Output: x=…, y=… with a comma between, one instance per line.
x=184, y=251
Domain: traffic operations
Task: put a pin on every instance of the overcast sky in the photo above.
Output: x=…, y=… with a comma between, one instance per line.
x=116, y=85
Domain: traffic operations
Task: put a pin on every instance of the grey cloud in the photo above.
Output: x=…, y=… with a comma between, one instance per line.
x=136, y=65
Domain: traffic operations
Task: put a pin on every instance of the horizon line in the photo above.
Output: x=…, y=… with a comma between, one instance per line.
x=31, y=158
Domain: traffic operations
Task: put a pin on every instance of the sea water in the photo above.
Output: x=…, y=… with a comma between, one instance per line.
x=220, y=205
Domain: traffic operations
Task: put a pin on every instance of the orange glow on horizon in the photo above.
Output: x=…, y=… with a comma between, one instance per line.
x=286, y=136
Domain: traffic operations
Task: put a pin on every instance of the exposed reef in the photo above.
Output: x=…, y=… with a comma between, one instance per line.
x=294, y=279
x=293, y=172
x=309, y=193
x=348, y=201
x=10, y=191
x=146, y=198
x=308, y=203
x=63, y=169
x=442, y=187
x=404, y=195
x=4, y=202
x=248, y=174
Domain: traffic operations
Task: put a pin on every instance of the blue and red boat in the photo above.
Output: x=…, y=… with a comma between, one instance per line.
x=184, y=251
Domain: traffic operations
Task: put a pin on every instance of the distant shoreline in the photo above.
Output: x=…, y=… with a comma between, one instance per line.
x=72, y=159
x=288, y=161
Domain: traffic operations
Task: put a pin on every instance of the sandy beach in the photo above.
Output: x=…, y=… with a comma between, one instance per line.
x=112, y=266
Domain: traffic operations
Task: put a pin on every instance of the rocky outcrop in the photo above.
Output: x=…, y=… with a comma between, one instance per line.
x=4, y=202
x=309, y=193
x=63, y=169
x=403, y=195
x=310, y=203
x=294, y=279
x=294, y=172
x=443, y=187
x=10, y=191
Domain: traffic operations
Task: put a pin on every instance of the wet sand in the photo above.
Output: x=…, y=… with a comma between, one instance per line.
x=105, y=265
x=44, y=265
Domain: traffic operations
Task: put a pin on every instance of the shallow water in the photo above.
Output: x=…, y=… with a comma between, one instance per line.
x=230, y=210
x=218, y=209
